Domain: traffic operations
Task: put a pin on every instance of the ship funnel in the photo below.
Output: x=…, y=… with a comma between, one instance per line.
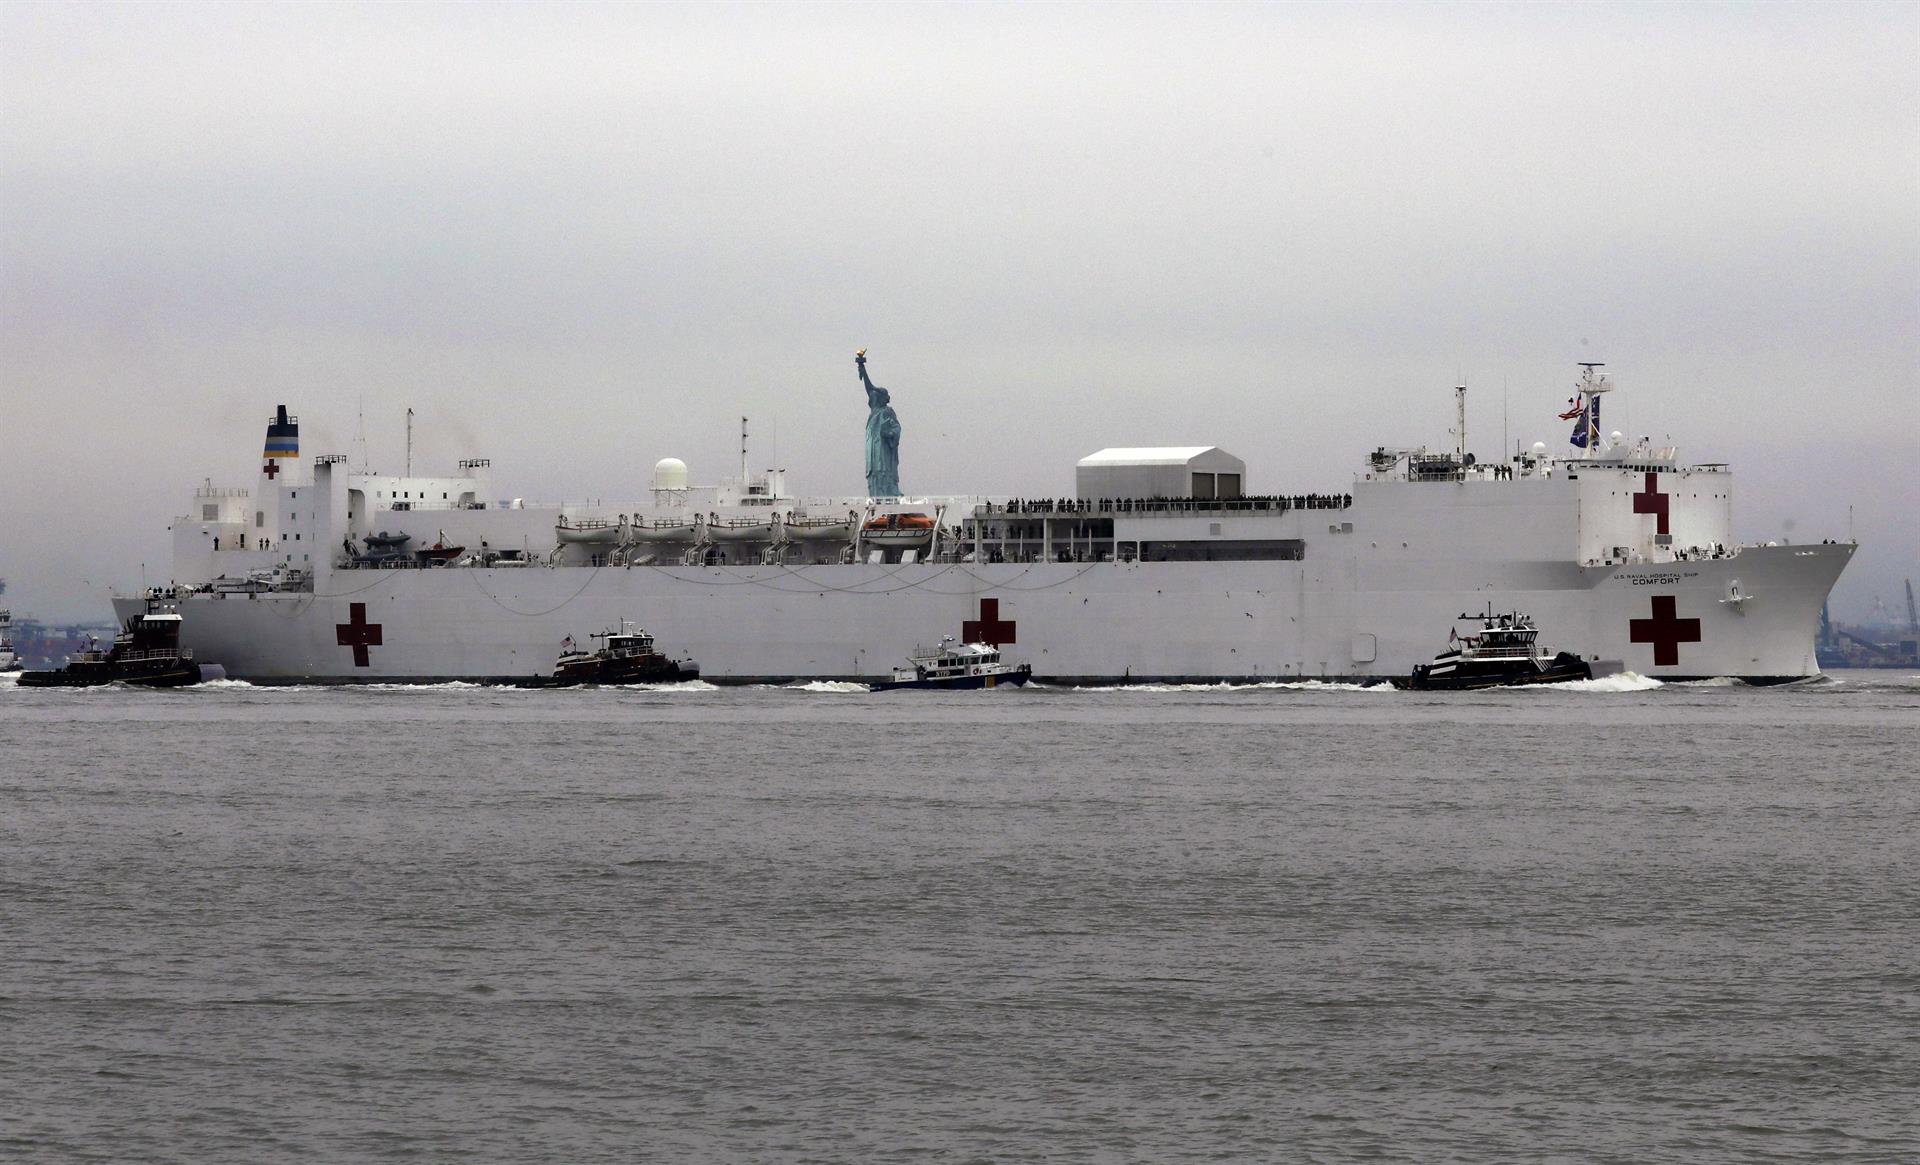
x=283, y=435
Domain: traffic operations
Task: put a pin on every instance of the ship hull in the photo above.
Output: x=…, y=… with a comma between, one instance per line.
x=1751, y=615
x=1004, y=679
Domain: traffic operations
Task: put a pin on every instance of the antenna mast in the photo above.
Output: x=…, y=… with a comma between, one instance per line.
x=1506, y=438
x=1460, y=410
x=409, y=442
x=743, y=454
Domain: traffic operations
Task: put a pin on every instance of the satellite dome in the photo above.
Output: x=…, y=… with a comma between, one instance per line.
x=1539, y=448
x=669, y=473
x=1614, y=436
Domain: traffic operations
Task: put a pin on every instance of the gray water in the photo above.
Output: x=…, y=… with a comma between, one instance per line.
x=805, y=924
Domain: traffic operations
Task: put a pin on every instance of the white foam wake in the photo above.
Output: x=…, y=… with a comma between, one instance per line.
x=1228, y=688
x=1625, y=681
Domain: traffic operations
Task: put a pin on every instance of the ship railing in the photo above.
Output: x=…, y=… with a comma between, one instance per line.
x=219, y=491
x=1109, y=507
x=183, y=654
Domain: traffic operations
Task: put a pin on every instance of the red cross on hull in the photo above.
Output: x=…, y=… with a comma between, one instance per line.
x=358, y=634
x=988, y=628
x=1666, y=631
x=1652, y=501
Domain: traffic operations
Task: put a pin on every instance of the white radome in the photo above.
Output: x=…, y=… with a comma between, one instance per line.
x=669, y=473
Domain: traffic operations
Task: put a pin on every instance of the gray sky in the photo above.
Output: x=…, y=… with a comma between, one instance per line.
x=577, y=238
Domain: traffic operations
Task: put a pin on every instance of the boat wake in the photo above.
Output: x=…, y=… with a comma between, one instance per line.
x=827, y=686
x=1228, y=688
x=1625, y=681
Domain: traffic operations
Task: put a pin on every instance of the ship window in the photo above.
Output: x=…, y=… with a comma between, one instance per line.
x=293, y=493
x=259, y=519
x=209, y=513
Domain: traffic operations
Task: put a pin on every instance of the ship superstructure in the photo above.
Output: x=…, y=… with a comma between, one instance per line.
x=1161, y=566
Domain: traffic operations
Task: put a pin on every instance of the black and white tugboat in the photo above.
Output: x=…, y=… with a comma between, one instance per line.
x=627, y=657
x=956, y=665
x=1506, y=653
x=147, y=653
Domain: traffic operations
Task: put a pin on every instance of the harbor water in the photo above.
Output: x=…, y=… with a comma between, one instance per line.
x=1609, y=921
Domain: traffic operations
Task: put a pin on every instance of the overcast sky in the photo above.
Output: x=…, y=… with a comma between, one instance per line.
x=579, y=238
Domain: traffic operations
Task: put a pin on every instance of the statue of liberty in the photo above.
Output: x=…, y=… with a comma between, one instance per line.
x=883, y=437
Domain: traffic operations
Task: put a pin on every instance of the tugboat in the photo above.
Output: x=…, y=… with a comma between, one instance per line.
x=1506, y=653
x=147, y=653
x=956, y=665
x=627, y=657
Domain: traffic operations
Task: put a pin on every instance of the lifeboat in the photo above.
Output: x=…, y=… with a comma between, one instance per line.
x=591, y=531
x=661, y=532
x=748, y=530
x=819, y=529
x=898, y=529
x=439, y=554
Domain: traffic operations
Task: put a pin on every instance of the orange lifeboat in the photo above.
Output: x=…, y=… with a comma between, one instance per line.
x=898, y=529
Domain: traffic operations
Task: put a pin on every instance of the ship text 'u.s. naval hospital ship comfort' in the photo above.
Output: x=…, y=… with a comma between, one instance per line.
x=1163, y=567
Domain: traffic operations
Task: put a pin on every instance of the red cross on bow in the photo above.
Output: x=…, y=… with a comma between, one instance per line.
x=988, y=628
x=1666, y=631
x=271, y=468
x=358, y=634
x=1652, y=501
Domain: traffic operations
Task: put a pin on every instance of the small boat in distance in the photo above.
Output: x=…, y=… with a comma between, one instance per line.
x=147, y=653
x=956, y=665
x=1506, y=653
x=9, y=661
x=627, y=657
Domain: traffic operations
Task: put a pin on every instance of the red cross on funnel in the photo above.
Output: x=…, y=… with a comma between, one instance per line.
x=271, y=469
x=988, y=628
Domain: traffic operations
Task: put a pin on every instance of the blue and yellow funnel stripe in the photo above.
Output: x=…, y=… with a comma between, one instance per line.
x=283, y=435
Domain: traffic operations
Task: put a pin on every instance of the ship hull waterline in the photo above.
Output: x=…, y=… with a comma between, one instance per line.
x=1751, y=616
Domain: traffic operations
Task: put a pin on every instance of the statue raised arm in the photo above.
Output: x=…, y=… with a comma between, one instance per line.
x=883, y=436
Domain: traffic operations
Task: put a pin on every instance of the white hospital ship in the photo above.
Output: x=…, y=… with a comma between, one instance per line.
x=1162, y=567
